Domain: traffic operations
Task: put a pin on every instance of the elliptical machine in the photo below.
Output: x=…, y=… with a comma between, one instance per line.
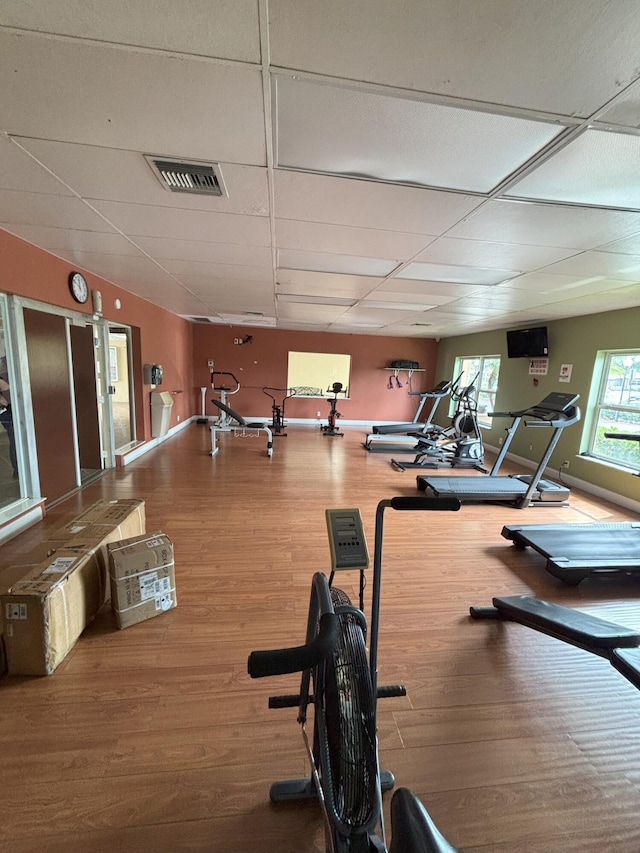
x=459, y=445
x=331, y=427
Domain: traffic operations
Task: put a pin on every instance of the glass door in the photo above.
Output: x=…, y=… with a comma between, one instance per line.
x=119, y=386
x=9, y=468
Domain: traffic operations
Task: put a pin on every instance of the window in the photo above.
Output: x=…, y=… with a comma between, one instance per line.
x=618, y=409
x=482, y=372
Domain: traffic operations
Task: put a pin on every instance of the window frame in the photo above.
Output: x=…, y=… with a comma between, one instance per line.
x=600, y=404
x=483, y=419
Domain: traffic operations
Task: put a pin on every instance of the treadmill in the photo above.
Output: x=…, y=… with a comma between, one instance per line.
x=576, y=551
x=395, y=438
x=557, y=412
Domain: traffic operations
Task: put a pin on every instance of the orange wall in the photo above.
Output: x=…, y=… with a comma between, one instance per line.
x=183, y=348
x=264, y=362
x=165, y=339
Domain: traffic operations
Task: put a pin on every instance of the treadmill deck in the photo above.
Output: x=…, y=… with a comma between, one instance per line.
x=575, y=551
x=503, y=489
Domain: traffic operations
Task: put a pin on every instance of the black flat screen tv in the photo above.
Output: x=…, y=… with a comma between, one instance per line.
x=528, y=343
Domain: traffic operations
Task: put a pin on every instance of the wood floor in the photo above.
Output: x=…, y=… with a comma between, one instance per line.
x=154, y=739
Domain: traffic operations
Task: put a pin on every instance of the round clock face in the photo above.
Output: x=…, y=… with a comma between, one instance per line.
x=78, y=286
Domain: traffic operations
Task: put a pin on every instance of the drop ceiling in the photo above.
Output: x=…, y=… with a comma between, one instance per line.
x=409, y=169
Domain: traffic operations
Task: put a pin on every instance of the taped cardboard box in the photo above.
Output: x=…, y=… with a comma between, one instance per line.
x=56, y=617
x=125, y=517
x=142, y=578
x=46, y=611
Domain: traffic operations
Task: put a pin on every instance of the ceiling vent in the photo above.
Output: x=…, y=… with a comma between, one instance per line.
x=201, y=319
x=188, y=176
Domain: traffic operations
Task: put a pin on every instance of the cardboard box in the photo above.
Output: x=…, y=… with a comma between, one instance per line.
x=125, y=517
x=142, y=577
x=47, y=608
x=46, y=611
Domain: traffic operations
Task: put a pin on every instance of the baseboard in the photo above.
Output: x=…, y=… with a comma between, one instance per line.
x=574, y=482
x=19, y=516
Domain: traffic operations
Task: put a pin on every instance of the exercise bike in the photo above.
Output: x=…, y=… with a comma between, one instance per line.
x=277, y=410
x=342, y=686
x=331, y=427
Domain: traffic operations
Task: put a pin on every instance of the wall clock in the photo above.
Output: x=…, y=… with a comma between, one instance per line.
x=78, y=287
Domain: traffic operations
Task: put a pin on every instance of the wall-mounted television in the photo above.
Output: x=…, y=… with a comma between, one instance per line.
x=528, y=343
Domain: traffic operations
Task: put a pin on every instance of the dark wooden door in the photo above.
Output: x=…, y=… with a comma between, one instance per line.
x=52, y=402
x=86, y=397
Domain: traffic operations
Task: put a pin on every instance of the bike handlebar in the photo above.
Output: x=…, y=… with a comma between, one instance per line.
x=415, y=503
x=298, y=658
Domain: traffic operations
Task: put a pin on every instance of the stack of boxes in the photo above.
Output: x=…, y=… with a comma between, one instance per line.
x=64, y=585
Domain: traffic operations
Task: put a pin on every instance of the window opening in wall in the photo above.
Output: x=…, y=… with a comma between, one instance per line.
x=9, y=467
x=487, y=369
x=617, y=408
x=315, y=372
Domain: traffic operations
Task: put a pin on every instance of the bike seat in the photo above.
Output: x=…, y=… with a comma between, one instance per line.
x=412, y=829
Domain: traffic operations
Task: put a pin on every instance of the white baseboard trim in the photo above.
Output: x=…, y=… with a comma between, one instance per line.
x=146, y=446
x=598, y=491
x=19, y=516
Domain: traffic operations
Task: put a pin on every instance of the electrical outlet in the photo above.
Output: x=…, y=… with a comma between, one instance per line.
x=500, y=440
x=565, y=464
x=210, y=363
x=318, y=415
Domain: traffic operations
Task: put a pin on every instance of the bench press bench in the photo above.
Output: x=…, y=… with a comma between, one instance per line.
x=241, y=426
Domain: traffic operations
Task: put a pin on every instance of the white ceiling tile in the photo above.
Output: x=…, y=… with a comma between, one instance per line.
x=546, y=225
x=482, y=51
x=310, y=313
x=313, y=283
x=73, y=240
x=597, y=168
x=244, y=319
x=140, y=220
x=124, y=268
x=225, y=30
x=626, y=246
x=164, y=248
x=74, y=92
x=456, y=274
x=116, y=175
x=428, y=289
x=625, y=110
x=194, y=269
x=345, y=131
x=315, y=300
x=18, y=171
x=480, y=253
x=292, y=259
x=599, y=264
x=381, y=316
x=56, y=211
x=366, y=204
x=424, y=300
x=396, y=306
x=343, y=240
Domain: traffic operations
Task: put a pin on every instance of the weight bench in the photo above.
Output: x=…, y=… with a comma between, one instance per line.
x=619, y=645
x=241, y=426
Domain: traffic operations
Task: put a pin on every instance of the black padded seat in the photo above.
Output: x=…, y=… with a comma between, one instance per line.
x=412, y=827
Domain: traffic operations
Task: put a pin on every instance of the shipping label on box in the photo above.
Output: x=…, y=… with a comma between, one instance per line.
x=142, y=577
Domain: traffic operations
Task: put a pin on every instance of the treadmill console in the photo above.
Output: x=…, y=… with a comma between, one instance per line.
x=558, y=402
x=554, y=404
